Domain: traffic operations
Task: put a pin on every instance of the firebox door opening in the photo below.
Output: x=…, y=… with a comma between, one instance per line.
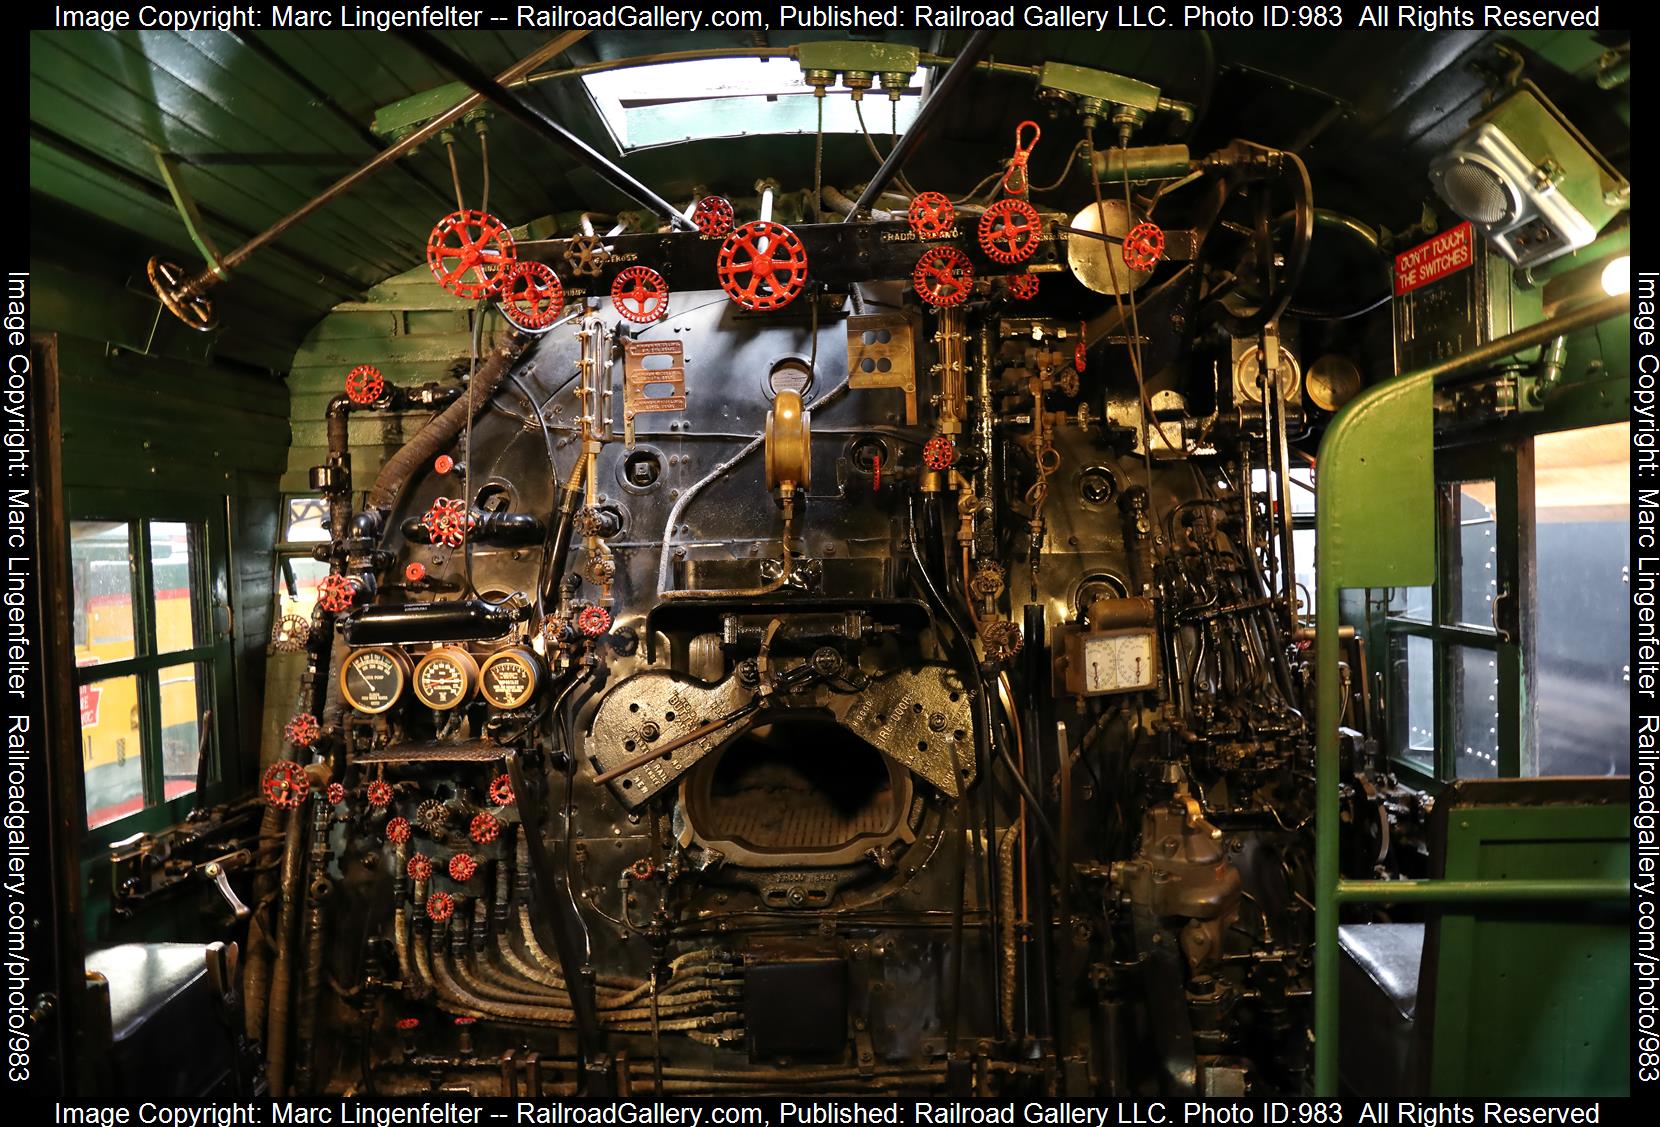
x=800, y=789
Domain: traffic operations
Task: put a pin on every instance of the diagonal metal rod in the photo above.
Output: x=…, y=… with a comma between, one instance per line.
x=539, y=122
x=218, y=270
x=931, y=109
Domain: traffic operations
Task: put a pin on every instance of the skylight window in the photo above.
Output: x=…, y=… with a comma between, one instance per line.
x=710, y=98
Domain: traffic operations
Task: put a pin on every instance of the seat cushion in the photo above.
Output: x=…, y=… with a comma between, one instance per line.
x=1378, y=984
x=169, y=1037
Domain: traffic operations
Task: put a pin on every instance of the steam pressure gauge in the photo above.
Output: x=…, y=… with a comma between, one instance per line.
x=373, y=679
x=509, y=678
x=1121, y=661
x=445, y=678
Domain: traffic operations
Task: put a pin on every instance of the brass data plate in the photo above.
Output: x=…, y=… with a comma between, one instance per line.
x=639, y=378
x=881, y=352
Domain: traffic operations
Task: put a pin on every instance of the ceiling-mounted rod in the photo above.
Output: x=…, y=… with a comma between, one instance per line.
x=932, y=108
x=184, y=298
x=539, y=122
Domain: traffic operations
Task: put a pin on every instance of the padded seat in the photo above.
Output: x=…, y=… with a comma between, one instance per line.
x=169, y=1040
x=1378, y=980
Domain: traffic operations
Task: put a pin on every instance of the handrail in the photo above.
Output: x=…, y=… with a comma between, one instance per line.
x=1386, y=433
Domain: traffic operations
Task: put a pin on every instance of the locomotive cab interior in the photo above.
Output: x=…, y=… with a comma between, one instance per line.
x=937, y=563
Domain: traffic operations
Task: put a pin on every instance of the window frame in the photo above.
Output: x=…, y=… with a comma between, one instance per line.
x=213, y=621
x=1509, y=465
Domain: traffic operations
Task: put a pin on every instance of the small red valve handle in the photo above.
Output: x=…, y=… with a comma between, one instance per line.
x=336, y=794
x=415, y=572
x=379, y=794
x=462, y=867
x=440, y=907
x=397, y=830
x=484, y=829
x=447, y=522
x=532, y=296
x=365, y=385
x=1023, y=287
x=303, y=730
x=593, y=621
x=501, y=790
x=939, y=452
x=1015, y=180
x=336, y=594
x=419, y=867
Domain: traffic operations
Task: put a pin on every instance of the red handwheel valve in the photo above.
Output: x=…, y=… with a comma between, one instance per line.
x=713, y=216
x=532, y=296
x=447, y=522
x=1010, y=231
x=931, y=215
x=303, y=730
x=471, y=253
x=440, y=907
x=379, y=794
x=462, y=867
x=640, y=294
x=1143, y=246
x=419, y=867
x=943, y=276
x=501, y=790
x=285, y=784
x=397, y=830
x=1023, y=287
x=336, y=794
x=484, y=829
x=593, y=621
x=365, y=385
x=336, y=593
x=762, y=266
x=939, y=452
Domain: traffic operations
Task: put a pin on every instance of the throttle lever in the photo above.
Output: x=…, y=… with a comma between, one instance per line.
x=218, y=871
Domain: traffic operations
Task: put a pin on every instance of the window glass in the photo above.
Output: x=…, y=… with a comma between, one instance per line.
x=101, y=564
x=1582, y=503
x=307, y=520
x=173, y=579
x=112, y=749
x=1477, y=715
x=181, y=713
x=1474, y=580
x=1411, y=602
x=297, y=581
x=1412, y=699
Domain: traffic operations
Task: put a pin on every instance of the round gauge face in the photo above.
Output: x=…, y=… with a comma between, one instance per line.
x=444, y=679
x=372, y=680
x=509, y=678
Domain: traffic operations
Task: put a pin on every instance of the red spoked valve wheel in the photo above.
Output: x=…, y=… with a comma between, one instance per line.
x=593, y=621
x=1143, y=246
x=1010, y=231
x=931, y=215
x=762, y=266
x=640, y=294
x=501, y=790
x=484, y=829
x=419, y=867
x=336, y=593
x=943, y=276
x=303, y=730
x=365, y=385
x=379, y=794
x=1023, y=287
x=462, y=867
x=336, y=794
x=447, y=522
x=470, y=253
x=939, y=452
x=440, y=907
x=285, y=784
x=713, y=216
x=532, y=296
x=397, y=830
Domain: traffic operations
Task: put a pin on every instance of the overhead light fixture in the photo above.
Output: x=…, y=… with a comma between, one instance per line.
x=1616, y=276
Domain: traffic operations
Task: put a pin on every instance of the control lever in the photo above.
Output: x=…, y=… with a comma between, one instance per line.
x=218, y=871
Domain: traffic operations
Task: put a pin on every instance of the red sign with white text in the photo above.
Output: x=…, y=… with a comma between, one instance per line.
x=1447, y=253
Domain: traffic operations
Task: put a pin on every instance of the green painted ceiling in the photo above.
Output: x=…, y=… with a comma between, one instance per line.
x=262, y=121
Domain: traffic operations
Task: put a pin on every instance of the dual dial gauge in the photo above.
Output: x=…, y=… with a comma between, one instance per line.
x=373, y=680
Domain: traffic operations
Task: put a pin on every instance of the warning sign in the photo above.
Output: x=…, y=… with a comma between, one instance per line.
x=1447, y=253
